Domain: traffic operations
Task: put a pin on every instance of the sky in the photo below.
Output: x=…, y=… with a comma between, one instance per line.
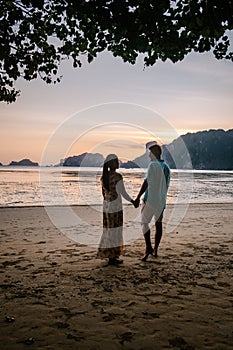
x=110, y=106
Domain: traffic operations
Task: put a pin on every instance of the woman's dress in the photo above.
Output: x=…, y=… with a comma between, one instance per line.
x=111, y=242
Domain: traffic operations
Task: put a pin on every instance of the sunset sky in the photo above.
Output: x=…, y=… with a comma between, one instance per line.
x=110, y=106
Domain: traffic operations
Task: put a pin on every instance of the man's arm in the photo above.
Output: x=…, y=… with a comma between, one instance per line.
x=142, y=190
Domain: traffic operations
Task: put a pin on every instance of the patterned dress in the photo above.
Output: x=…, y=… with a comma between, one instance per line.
x=111, y=242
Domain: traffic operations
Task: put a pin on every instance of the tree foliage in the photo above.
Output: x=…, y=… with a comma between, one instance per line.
x=36, y=35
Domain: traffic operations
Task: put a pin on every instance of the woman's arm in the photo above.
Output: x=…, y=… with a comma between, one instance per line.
x=120, y=188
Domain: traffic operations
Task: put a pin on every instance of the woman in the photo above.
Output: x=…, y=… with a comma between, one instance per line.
x=111, y=243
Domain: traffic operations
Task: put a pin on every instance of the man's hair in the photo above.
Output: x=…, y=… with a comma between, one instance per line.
x=156, y=150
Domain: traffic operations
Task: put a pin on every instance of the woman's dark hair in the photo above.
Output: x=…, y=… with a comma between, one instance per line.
x=109, y=164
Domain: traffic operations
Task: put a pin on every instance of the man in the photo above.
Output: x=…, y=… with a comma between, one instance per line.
x=154, y=187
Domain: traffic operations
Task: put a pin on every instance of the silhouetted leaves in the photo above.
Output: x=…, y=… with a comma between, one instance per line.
x=37, y=34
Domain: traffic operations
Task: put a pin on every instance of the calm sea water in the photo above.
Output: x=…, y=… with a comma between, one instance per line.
x=29, y=186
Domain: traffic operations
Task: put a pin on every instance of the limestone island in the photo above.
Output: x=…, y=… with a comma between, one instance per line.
x=24, y=162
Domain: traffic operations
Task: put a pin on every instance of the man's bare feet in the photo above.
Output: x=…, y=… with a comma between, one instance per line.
x=155, y=253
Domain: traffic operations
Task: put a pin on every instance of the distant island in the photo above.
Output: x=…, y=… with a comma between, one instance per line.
x=84, y=159
x=205, y=150
x=208, y=150
x=23, y=162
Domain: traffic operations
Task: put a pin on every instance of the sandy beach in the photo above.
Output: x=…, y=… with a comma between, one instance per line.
x=56, y=295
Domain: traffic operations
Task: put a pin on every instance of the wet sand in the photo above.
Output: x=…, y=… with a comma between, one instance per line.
x=56, y=295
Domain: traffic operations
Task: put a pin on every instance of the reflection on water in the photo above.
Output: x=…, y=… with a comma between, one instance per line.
x=81, y=186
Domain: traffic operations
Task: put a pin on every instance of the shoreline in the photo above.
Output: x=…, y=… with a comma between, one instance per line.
x=100, y=205
x=55, y=294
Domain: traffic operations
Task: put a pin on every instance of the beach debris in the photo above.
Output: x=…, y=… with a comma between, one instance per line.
x=150, y=315
x=107, y=288
x=66, y=311
x=108, y=318
x=102, y=311
x=125, y=337
x=29, y=341
x=9, y=319
x=180, y=343
x=74, y=337
x=61, y=325
x=130, y=303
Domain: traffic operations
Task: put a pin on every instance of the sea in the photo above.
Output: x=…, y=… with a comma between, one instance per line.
x=52, y=186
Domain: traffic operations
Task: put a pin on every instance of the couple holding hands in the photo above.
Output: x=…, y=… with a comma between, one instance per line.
x=154, y=188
